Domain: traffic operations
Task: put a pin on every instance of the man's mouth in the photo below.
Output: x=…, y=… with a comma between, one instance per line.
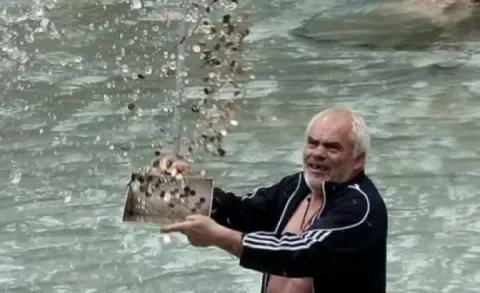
x=318, y=168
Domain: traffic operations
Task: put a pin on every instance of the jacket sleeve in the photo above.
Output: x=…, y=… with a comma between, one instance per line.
x=329, y=244
x=253, y=212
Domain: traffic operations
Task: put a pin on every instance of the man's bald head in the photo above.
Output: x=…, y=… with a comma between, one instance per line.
x=335, y=149
x=357, y=127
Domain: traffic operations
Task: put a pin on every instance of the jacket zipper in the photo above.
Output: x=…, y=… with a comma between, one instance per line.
x=266, y=276
x=282, y=216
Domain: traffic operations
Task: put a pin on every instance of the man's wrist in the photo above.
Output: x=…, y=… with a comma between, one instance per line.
x=229, y=240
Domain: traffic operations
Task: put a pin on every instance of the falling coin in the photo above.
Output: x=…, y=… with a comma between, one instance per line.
x=167, y=197
x=196, y=49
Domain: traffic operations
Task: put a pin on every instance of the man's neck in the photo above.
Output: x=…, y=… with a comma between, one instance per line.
x=317, y=196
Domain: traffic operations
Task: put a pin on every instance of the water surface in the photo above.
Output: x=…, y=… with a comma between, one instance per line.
x=68, y=143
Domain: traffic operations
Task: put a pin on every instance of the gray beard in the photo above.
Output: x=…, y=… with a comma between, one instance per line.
x=313, y=187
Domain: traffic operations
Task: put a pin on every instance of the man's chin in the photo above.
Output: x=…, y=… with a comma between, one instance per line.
x=317, y=177
x=314, y=183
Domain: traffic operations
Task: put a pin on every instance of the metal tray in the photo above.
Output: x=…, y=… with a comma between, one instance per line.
x=163, y=199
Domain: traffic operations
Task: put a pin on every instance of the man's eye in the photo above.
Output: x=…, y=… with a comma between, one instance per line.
x=334, y=147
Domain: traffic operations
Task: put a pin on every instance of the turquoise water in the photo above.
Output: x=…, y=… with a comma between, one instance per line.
x=66, y=142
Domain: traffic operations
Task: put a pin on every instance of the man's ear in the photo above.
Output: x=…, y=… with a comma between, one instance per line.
x=359, y=162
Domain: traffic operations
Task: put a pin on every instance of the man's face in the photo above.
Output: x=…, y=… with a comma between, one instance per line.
x=328, y=151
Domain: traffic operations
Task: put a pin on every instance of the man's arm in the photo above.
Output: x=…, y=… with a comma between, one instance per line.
x=253, y=212
x=231, y=241
x=330, y=244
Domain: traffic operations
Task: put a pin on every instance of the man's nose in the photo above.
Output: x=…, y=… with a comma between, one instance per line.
x=320, y=153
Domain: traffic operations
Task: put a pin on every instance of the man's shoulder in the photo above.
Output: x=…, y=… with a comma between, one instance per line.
x=360, y=199
x=291, y=178
x=361, y=187
x=368, y=188
x=291, y=182
x=286, y=184
x=370, y=200
x=357, y=208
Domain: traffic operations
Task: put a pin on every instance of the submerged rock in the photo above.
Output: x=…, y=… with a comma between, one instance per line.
x=408, y=24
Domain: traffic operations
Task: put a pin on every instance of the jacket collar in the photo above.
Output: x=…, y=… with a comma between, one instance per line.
x=331, y=187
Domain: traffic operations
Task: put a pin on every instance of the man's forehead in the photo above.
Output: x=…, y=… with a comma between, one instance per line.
x=332, y=126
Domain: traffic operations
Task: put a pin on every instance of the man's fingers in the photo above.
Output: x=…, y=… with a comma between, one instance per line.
x=172, y=164
x=166, y=163
x=177, y=227
x=180, y=227
x=192, y=217
x=181, y=167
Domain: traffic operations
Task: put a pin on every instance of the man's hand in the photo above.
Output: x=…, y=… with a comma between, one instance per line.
x=173, y=165
x=200, y=230
x=203, y=231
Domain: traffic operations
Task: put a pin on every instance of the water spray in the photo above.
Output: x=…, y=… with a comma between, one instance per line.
x=214, y=31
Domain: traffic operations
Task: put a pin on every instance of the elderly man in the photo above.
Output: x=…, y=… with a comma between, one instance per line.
x=320, y=230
